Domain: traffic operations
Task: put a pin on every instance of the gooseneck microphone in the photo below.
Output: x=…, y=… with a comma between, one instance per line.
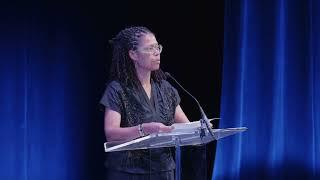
x=203, y=115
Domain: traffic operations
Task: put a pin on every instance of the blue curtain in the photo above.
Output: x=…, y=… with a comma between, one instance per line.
x=44, y=87
x=271, y=84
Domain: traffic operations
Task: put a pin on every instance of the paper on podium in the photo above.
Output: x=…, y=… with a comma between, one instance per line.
x=186, y=126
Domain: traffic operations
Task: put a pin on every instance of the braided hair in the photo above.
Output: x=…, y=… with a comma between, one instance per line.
x=122, y=66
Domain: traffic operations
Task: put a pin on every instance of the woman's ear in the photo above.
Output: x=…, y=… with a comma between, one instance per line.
x=133, y=55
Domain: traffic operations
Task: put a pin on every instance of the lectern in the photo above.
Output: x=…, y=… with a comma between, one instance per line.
x=183, y=134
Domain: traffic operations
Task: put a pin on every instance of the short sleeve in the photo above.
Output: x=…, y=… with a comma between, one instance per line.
x=111, y=98
x=172, y=92
x=176, y=95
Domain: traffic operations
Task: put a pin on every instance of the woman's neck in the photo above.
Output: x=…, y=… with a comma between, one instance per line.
x=144, y=77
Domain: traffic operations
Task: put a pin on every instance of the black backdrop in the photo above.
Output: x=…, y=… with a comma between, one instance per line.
x=57, y=53
x=192, y=35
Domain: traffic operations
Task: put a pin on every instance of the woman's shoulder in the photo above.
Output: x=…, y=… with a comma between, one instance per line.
x=113, y=85
x=166, y=86
x=164, y=83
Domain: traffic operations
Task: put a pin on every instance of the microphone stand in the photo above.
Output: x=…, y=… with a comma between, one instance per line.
x=205, y=124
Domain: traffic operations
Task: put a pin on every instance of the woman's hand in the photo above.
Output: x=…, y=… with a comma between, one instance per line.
x=155, y=127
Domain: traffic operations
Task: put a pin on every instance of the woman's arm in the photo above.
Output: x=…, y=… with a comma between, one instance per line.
x=179, y=116
x=112, y=128
x=114, y=132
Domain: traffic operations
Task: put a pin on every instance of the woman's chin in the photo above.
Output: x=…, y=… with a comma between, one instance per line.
x=157, y=67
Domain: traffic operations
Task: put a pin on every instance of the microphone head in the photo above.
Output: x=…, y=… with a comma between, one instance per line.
x=167, y=74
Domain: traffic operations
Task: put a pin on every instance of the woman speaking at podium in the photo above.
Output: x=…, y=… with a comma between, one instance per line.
x=139, y=101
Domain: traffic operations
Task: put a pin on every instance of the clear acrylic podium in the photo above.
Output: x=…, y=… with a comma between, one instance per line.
x=183, y=134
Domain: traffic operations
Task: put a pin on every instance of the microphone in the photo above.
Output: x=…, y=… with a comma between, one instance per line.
x=204, y=119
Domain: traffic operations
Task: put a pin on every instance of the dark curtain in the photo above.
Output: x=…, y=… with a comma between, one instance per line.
x=271, y=84
x=46, y=104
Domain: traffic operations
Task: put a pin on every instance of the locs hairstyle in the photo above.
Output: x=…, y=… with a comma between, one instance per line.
x=122, y=66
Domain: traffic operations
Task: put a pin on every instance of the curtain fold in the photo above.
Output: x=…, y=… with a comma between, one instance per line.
x=270, y=85
x=44, y=97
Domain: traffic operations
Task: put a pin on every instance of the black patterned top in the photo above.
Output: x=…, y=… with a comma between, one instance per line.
x=135, y=108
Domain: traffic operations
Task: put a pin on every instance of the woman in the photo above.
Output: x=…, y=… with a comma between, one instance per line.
x=139, y=101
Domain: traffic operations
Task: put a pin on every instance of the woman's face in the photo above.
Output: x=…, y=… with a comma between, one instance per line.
x=147, y=55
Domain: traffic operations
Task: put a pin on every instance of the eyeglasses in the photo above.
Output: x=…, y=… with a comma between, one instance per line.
x=154, y=49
